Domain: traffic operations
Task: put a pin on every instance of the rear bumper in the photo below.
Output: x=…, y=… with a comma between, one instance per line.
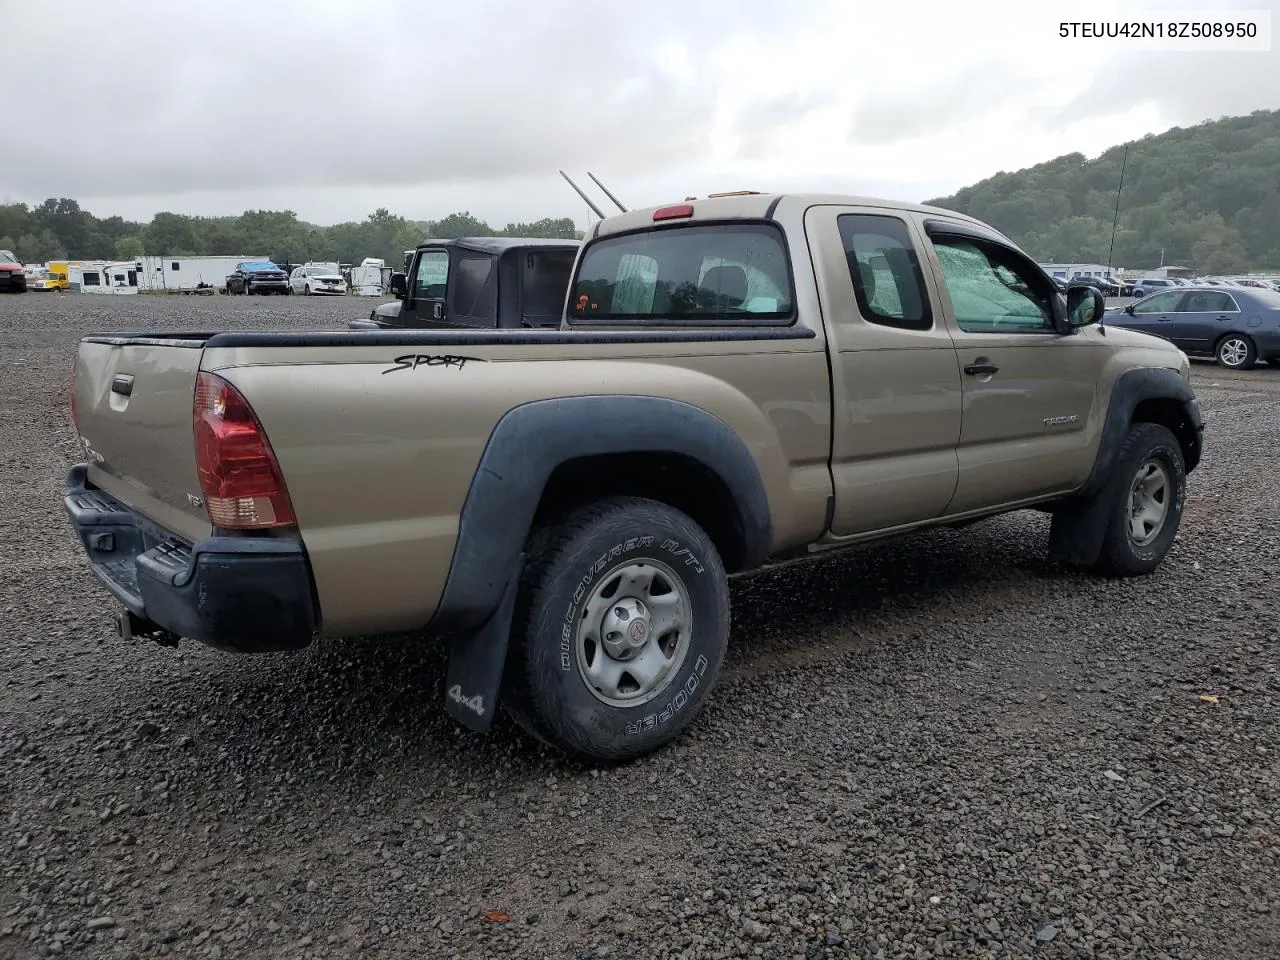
x=243, y=594
x=13, y=281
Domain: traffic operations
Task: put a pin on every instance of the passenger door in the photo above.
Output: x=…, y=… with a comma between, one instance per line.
x=1029, y=391
x=427, y=289
x=1203, y=316
x=896, y=386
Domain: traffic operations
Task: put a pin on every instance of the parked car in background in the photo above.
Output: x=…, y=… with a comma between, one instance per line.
x=1105, y=285
x=309, y=280
x=12, y=277
x=258, y=276
x=1149, y=285
x=502, y=282
x=1235, y=325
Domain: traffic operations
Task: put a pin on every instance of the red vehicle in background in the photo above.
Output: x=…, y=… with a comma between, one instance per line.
x=11, y=276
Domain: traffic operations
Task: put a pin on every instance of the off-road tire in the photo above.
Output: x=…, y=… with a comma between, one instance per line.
x=1121, y=556
x=1250, y=352
x=544, y=688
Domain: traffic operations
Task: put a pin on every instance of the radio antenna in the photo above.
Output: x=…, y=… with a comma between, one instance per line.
x=585, y=199
x=606, y=191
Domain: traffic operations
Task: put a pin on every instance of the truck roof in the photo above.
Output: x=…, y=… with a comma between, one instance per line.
x=498, y=244
x=747, y=205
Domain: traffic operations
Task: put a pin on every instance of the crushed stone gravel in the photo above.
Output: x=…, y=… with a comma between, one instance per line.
x=938, y=747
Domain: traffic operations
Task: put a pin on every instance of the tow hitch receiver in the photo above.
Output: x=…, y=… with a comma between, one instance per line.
x=130, y=626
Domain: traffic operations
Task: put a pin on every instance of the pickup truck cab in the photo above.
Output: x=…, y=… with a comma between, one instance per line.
x=486, y=282
x=734, y=381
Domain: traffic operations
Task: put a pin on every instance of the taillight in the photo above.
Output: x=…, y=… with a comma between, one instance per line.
x=243, y=488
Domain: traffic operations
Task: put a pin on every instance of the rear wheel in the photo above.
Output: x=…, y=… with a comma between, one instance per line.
x=1236, y=352
x=620, y=629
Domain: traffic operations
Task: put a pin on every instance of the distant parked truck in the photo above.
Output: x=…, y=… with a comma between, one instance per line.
x=260, y=276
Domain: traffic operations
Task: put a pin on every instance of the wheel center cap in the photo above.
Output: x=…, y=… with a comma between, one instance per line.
x=626, y=627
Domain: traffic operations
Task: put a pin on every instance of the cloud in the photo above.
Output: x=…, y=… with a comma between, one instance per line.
x=335, y=107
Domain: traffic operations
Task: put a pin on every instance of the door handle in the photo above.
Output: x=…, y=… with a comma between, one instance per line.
x=981, y=369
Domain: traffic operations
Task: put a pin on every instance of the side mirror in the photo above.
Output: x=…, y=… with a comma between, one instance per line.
x=399, y=286
x=1085, y=305
x=1128, y=308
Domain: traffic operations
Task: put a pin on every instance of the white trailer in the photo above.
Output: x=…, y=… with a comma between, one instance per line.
x=370, y=278
x=188, y=273
x=103, y=276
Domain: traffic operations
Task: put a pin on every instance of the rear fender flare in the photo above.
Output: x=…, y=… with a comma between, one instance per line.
x=525, y=447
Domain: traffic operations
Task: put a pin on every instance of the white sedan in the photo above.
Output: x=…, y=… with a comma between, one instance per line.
x=317, y=280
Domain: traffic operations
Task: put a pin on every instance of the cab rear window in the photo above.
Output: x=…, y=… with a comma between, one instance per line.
x=699, y=275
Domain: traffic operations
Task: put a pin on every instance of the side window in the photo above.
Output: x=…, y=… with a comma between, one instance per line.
x=992, y=290
x=1209, y=301
x=473, y=290
x=433, y=273
x=887, y=281
x=1166, y=302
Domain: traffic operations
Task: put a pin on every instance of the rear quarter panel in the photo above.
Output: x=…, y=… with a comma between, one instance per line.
x=379, y=459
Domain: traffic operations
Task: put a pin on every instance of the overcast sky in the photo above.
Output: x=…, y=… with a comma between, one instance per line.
x=333, y=109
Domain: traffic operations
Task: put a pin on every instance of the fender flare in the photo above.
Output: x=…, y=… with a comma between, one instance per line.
x=1130, y=389
x=531, y=440
x=1079, y=522
x=525, y=447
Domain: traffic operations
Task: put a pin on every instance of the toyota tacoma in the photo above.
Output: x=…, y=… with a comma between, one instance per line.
x=734, y=381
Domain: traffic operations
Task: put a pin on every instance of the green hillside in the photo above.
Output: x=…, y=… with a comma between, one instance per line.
x=1208, y=196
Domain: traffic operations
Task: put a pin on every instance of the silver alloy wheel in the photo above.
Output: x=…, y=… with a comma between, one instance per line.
x=1149, y=499
x=634, y=633
x=1233, y=352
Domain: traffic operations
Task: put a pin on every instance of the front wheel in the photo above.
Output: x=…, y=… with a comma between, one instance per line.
x=1148, y=489
x=307, y=290
x=620, y=629
x=1236, y=352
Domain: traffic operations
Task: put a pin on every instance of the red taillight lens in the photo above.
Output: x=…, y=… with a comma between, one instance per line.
x=677, y=212
x=243, y=488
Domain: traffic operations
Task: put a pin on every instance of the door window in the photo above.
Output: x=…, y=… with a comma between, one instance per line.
x=993, y=290
x=1208, y=301
x=887, y=281
x=432, y=276
x=1165, y=302
x=473, y=290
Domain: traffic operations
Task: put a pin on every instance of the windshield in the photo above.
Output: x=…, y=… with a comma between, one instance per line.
x=319, y=272
x=258, y=265
x=7, y=257
x=705, y=274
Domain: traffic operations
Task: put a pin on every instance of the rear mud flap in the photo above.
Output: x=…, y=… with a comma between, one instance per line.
x=476, y=661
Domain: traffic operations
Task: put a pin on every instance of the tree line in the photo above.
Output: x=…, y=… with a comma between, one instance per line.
x=1206, y=197
x=59, y=229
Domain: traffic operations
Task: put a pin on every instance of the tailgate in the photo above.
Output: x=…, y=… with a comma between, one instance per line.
x=134, y=410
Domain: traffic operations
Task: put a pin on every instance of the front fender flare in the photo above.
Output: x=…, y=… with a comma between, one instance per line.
x=1080, y=522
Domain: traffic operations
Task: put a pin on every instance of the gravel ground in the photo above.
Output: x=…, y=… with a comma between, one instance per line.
x=940, y=747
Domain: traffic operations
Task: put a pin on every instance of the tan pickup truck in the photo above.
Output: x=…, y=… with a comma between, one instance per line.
x=737, y=380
